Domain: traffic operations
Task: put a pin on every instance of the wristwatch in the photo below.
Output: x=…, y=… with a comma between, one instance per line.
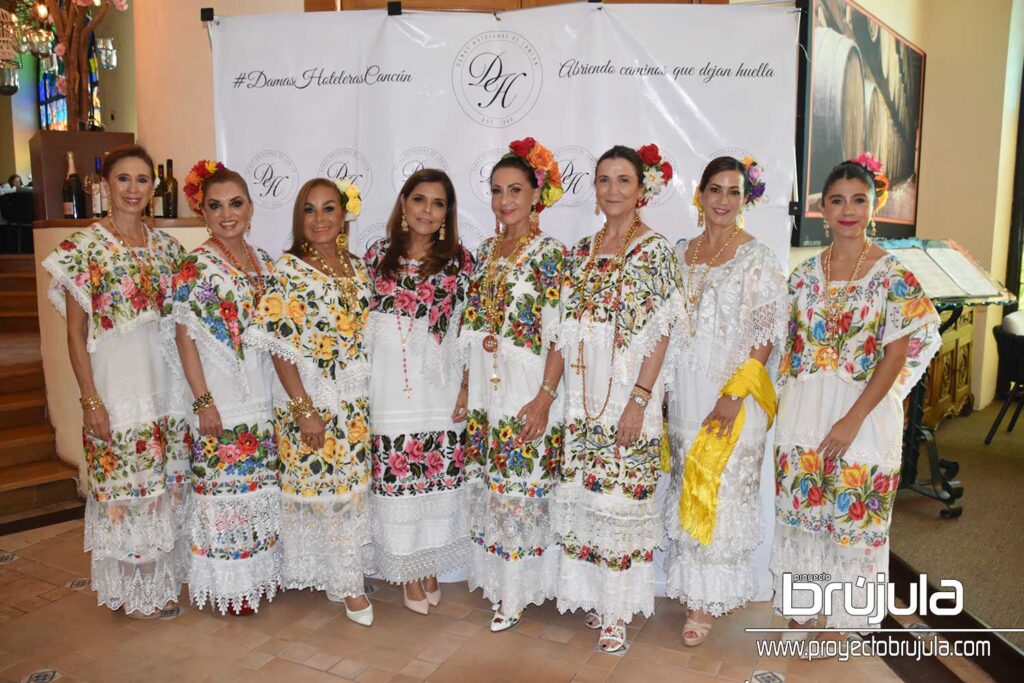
x=642, y=401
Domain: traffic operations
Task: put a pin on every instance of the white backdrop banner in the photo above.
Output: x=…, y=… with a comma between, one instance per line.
x=377, y=98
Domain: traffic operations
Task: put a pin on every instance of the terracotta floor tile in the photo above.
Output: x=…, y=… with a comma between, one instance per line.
x=348, y=668
x=599, y=660
x=647, y=671
x=590, y=674
x=557, y=634
x=375, y=676
x=703, y=665
x=735, y=672
x=297, y=652
x=511, y=656
x=673, y=658
x=279, y=670
x=463, y=628
x=322, y=661
x=254, y=660
x=442, y=648
x=530, y=628
x=418, y=669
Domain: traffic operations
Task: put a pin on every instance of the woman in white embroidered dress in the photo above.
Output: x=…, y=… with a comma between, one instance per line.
x=419, y=274
x=312, y=318
x=111, y=280
x=736, y=309
x=620, y=303
x=514, y=429
x=861, y=334
x=234, y=510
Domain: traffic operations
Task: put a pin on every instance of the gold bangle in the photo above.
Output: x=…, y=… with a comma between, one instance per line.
x=547, y=389
x=202, y=403
x=301, y=407
x=91, y=402
x=640, y=391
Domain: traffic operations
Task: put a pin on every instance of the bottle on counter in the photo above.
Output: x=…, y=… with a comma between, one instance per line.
x=170, y=192
x=157, y=201
x=73, y=193
x=94, y=192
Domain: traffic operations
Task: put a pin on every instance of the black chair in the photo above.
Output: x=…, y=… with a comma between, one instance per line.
x=1011, y=355
x=17, y=209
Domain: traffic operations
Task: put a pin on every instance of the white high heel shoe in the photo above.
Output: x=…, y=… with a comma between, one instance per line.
x=363, y=617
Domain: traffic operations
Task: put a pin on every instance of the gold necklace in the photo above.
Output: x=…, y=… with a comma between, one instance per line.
x=345, y=282
x=691, y=296
x=145, y=265
x=254, y=276
x=835, y=308
x=580, y=366
x=494, y=289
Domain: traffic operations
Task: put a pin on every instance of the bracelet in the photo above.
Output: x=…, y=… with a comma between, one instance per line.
x=202, y=403
x=465, y=383
x=640, y=391
x=647, y=392
x=91, y=402
x=547, y=389
x=642, y=401
x=301, y=407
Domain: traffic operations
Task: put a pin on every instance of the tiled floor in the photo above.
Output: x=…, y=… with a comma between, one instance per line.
x=302, y=637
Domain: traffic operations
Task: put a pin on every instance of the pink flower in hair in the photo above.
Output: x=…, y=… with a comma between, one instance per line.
x=868, y=161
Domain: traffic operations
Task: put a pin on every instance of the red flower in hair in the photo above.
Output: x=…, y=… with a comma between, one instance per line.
x=522, y=147
x=666, y=171
x=650, y=155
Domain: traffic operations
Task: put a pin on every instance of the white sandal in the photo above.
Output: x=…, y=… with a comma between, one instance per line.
x=613, y=635
x=502, y=623
x=593, y=620
x=700, y=628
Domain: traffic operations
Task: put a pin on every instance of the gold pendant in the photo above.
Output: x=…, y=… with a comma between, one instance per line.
x=490, y=343
x=495, y=381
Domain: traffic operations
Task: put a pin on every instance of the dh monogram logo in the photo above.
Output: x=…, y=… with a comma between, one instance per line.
x=480, y=174
x=497, y=78
x=348, y=162
x=577, y=167
x=415, y=159
x=273, y=178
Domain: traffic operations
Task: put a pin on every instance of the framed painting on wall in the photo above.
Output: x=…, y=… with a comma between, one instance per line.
x=865, y=94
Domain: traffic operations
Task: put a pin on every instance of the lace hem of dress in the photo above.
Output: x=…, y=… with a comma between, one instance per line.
x=223, y=357
x=140, y=529
x=412, y=530
x=406, y=568
x=64, y=281
x=326, y=543
x=802, y=552
x=234, y=521
x=712, y=587
x=512, y=523
x=327, y=394
x=616, y=525
x=615, y=595
x=516, y=584
x=144, y=586
x=233, y=584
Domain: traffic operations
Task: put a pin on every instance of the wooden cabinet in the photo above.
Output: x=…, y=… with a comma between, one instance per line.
x=949, y=377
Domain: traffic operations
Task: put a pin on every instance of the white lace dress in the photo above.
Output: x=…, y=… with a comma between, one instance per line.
x=138, y=480
x=514, y=556
x=418, y=501
x=325, y=522
x=743, y=305
x=234, y=512
x=832, y=516
x=605, y=510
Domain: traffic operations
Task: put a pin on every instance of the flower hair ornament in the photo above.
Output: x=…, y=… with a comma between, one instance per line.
x=350, y=196
x=874, y=167
x=540, y=159
x=754, y=178
x=657, y=173
x=193, y=188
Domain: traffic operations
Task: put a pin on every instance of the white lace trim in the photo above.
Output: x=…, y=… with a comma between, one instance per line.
x=716, y=589
x=350, y=382
x=931, y=345
x=801, y=552
x=420, y=536
x=615, y=595
x=140, y=586
x=146, y=528
x=616, y=525
x=234, y=521
x=230, y=584
x=516, y=584
x=509, y=521
x=64, y=281
x=470, y=342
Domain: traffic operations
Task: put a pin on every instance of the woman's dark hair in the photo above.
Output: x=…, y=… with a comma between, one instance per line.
x=10, y=181
x=850, y=170
x=125, y=152
x=513, y=161
x=442, y=251
x=298, y=236
x=225, y=175
x=627, y=153
x=721, y=164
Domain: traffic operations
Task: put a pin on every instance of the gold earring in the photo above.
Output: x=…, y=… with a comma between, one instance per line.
x=597, y=209
x=874, y=228
x=405, y=224
x=208, y=231
x=498, y=227
x=741, y=222
x=441, y=233
x=828, y=229
x=341, y=242
x=534, y=220
x=700, y=217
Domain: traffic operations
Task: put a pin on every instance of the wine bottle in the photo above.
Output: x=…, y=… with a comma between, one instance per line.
x=170, y=192
x=94, y=188
x=158, y=193
x=72, y=193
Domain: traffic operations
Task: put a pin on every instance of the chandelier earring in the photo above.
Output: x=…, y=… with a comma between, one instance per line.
x=405, y=224
x=741, y=222
x=441, y=232
x=700, y=217
x=498, y=227
x=341, y=242
x=208, y=231
x=874, y=228
x=534, y=221
x=828, y=229
x=597, y=209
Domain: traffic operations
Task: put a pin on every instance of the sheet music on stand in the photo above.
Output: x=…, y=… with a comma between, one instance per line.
x=947, y=272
